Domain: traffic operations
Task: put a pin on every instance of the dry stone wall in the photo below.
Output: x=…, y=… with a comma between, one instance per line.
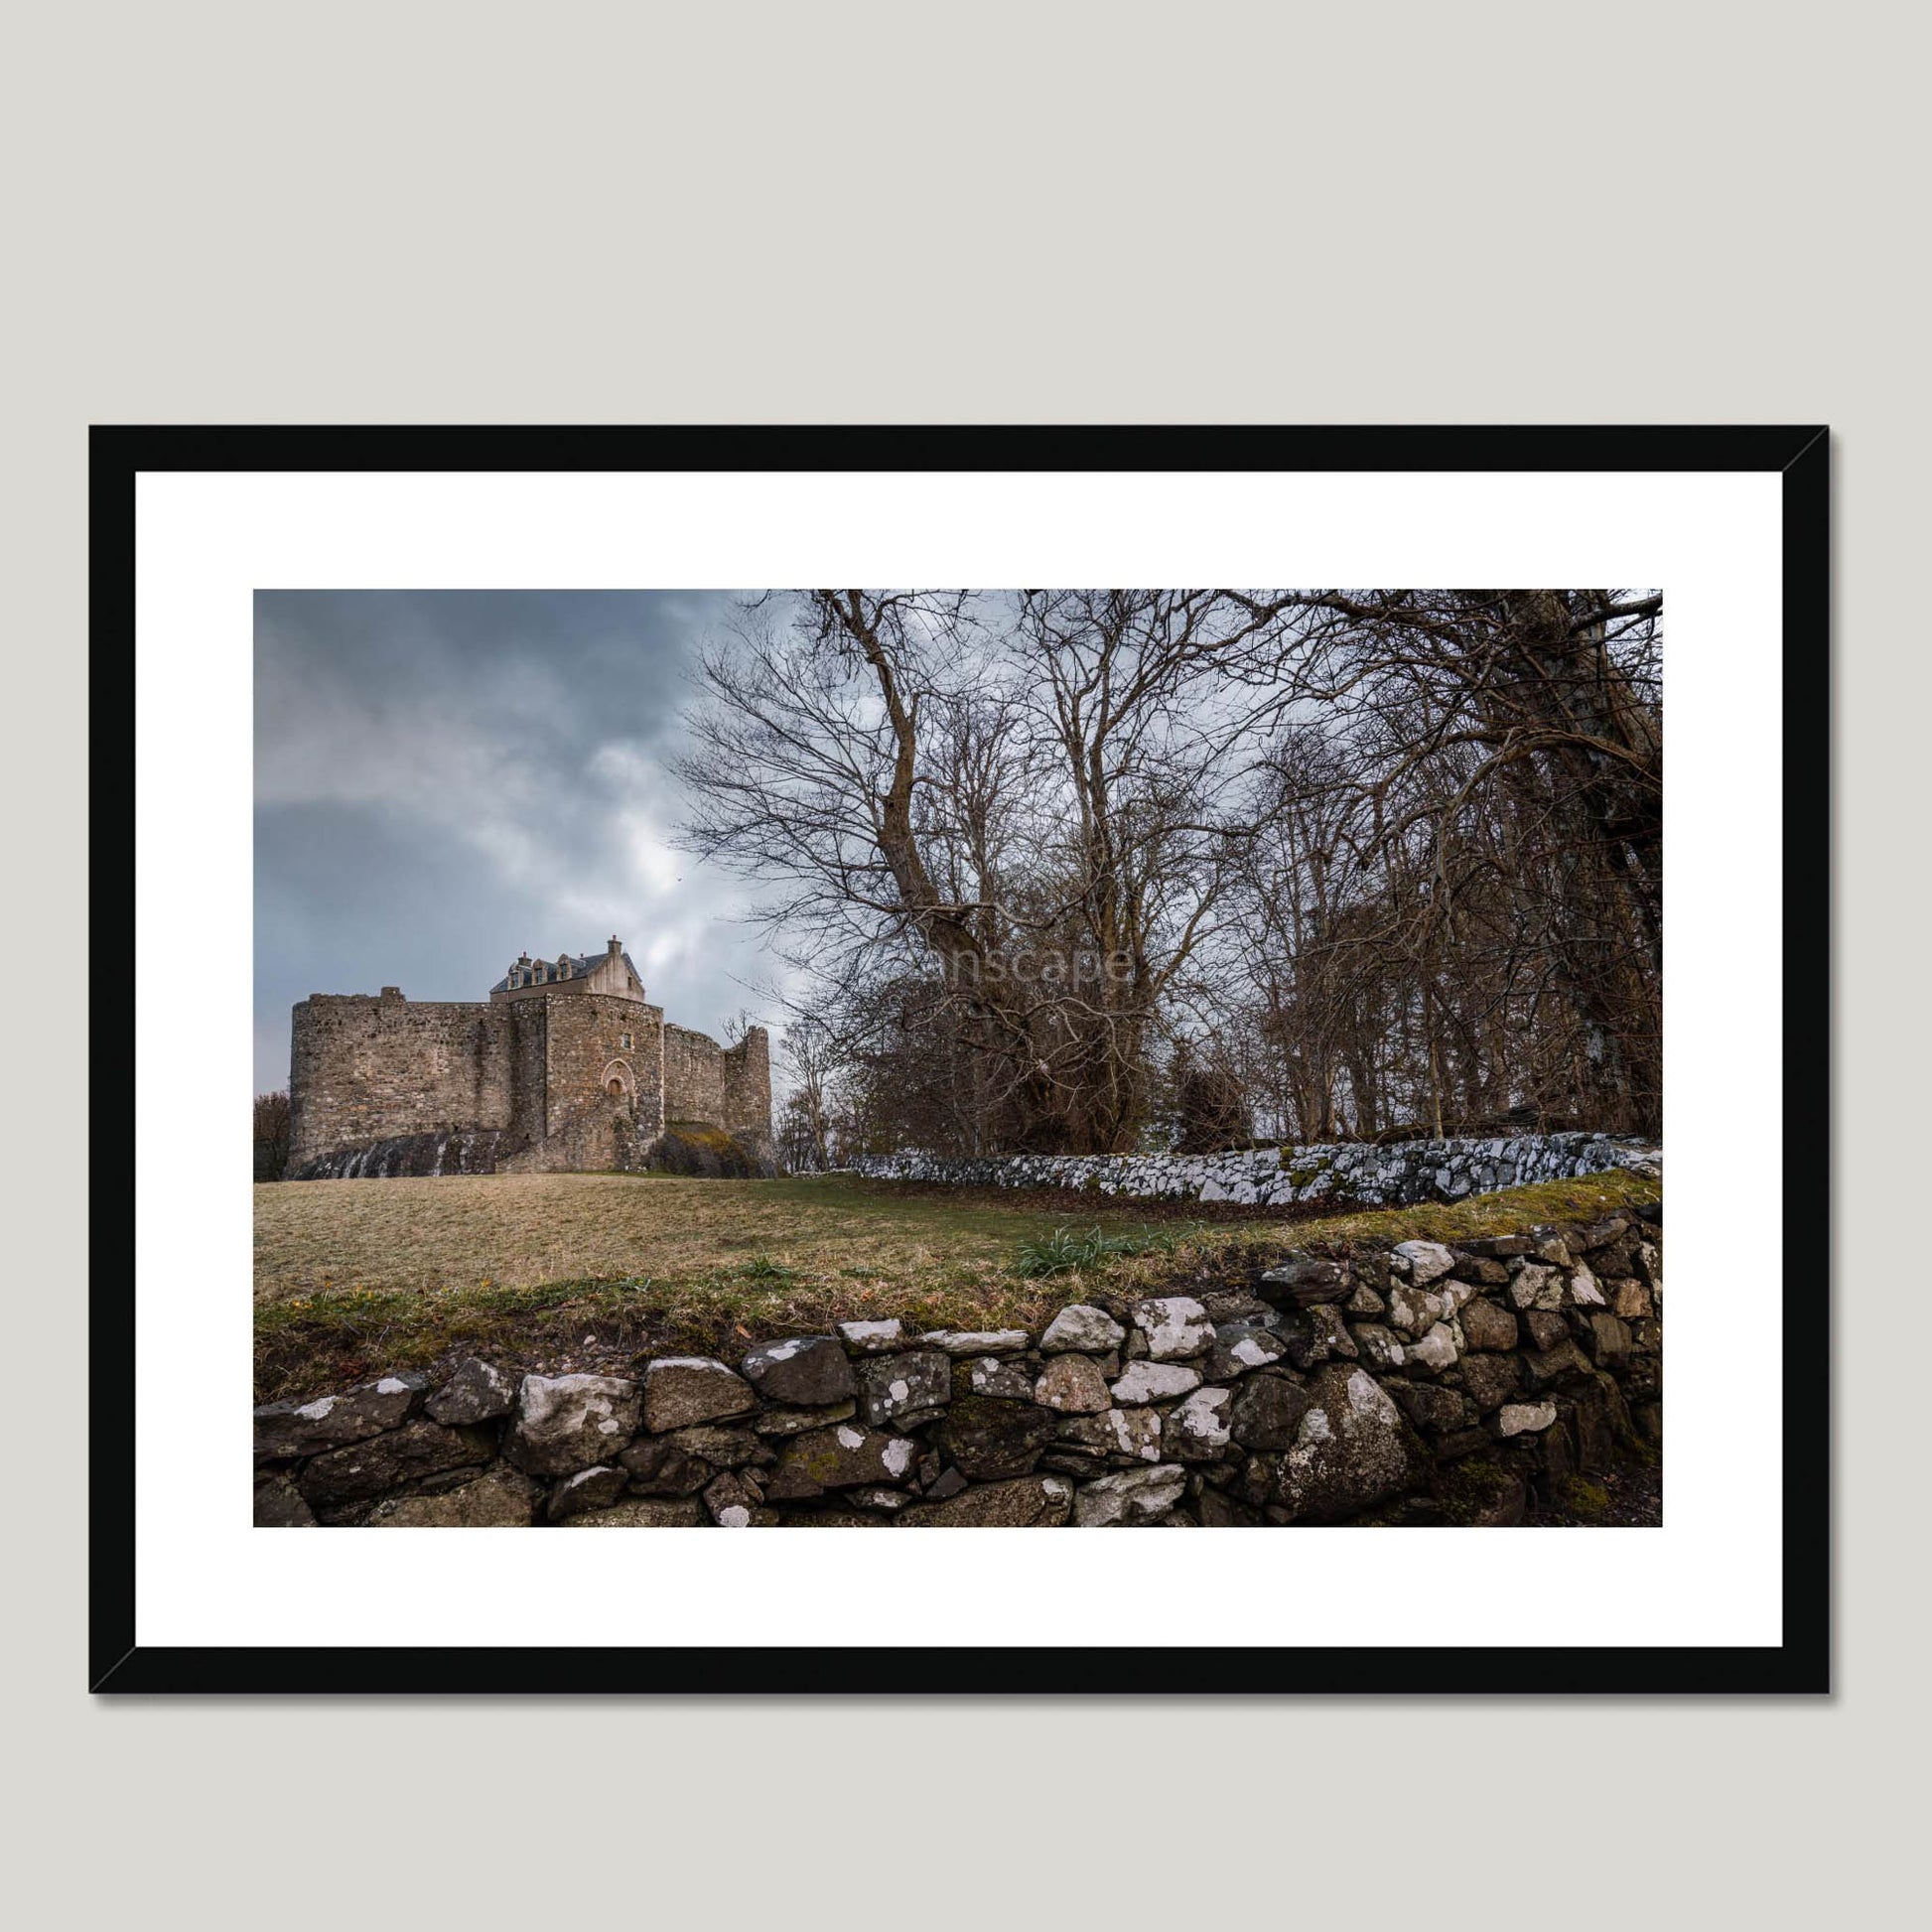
x=1418, y=1383
x=1375, y=1176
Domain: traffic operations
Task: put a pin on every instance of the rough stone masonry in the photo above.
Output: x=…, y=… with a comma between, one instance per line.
x=565, y=1066
x=1421, y=1383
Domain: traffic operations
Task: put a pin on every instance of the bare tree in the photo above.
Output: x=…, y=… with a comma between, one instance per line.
x=1392, y=857
x=1034, y=798
x=1496, y=869
x=811, y=1058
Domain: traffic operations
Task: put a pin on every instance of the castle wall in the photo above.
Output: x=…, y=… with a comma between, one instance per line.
x=747, y=1085
x=379, y=1084
x=528, y=1030
x=364, y=1067
x=725, y=1086
x=694, y=1076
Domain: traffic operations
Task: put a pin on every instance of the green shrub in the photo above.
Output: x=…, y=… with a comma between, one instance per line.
x=762, y=1268
x=1064, y=1250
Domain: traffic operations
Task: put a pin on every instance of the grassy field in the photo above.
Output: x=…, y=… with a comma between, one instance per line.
x=585, y=1271
x=517, y=1230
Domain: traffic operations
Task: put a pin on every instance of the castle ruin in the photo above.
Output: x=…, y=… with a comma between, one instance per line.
x=565, y=1066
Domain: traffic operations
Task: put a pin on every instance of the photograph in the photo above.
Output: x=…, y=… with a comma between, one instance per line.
x=958, y=1058
x=1154, y=1014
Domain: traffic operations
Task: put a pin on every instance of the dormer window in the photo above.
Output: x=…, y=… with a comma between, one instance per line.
x=537, y=975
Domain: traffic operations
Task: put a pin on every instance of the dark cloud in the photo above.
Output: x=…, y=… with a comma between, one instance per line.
x=447, y=779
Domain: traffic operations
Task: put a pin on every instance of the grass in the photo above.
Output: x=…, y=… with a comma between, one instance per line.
x=1065, y=1251
x=353, y=1276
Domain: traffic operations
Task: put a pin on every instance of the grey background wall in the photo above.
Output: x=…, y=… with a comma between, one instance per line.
x=1695, y=212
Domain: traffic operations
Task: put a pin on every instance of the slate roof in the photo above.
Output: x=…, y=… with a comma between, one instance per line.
x=580, y=964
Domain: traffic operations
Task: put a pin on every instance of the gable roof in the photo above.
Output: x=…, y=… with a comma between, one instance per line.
x=580, y=965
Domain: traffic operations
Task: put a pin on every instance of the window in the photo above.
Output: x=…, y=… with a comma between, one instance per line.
x=623, y=1042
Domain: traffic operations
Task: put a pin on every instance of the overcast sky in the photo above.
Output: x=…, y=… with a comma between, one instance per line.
x=447, y=779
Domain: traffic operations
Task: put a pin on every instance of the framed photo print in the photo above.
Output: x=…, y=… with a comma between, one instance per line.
x=1154, y=1014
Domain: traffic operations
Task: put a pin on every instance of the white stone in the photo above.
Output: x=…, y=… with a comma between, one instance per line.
x=977, y=1341
x=871, y=1337
x=1204, y=1417
x=1523, y=1418
x=1426, y=1260
x=1081, y=1330
x=1437, y=1349
x=1370, y=1401
x=1130, y=1497
x=1175, y=1327
x=1582, y=1286
x=1535, y=1286
x=555, y=1415
x=1154, y=1382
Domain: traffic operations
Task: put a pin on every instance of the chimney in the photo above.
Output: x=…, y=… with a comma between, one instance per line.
x=616, y=947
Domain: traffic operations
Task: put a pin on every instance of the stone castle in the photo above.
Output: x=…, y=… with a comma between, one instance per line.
x=566, y=1065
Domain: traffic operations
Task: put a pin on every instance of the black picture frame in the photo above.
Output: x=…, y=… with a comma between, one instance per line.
x=1799, y=455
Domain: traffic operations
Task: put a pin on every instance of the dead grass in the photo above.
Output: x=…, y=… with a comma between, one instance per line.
x=590, y=1270
x=432, y=1237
